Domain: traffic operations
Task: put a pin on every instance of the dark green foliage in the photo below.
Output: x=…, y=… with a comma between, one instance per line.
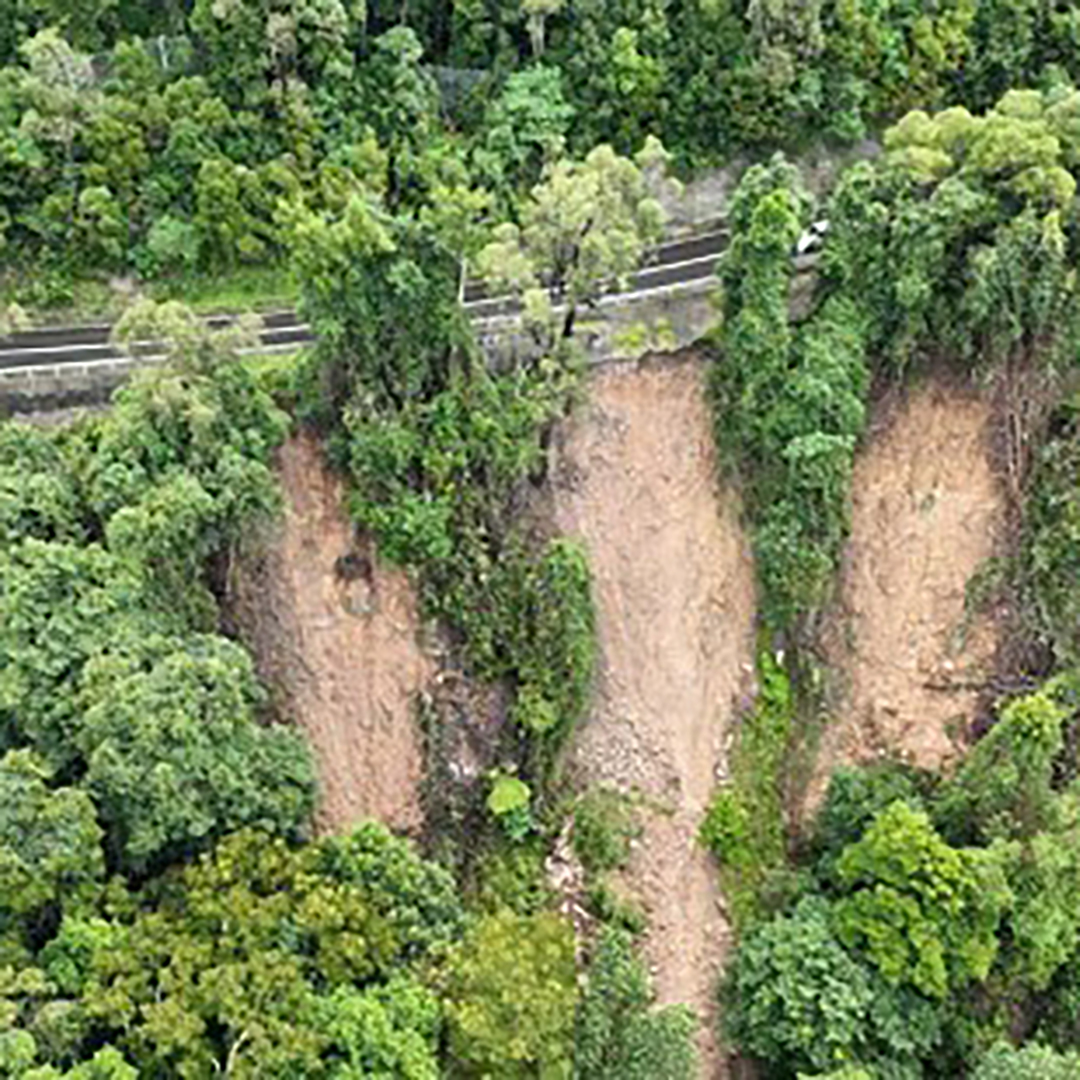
x=39, y=496
x=441, y=451
x=956, y=243
x=1050, y=552
x=101, y=672
x=967, y=943
x=59, y=606
x=604, y=827
x=854, y=798
x=1005, y=786
x=174, y=755
x=788, y=405
x=360, y=271
x=796, y=998
x=181, y=465
x=50, y=842
x=618, y=1035
x=925, y=914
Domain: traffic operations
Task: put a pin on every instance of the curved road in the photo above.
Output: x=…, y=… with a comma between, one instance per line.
x=674, y=263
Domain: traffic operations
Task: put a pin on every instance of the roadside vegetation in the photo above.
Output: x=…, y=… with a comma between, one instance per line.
x=165, y=909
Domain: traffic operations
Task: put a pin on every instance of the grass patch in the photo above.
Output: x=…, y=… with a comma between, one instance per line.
x=53, y=298
x=259, y=288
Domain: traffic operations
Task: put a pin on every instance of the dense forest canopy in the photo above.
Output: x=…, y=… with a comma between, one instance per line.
x=168, y=139
x=166, y=909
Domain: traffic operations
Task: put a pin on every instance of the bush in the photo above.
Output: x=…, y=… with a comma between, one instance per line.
x=604, y=828
x=618, y=1035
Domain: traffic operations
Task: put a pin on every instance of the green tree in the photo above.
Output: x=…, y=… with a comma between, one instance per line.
x=50, y=842
x=181, y=465
x=509, y=995
x=583, y=231
x=262, y=958
x=525, y=128
x=39, y=494
x=60, y=605
x=1005, y=786
x=1031, y=1062
x=175, y=756
x=925, y=914
x=794, y=997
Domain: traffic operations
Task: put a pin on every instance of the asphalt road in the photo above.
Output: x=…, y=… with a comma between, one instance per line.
x=676, y=262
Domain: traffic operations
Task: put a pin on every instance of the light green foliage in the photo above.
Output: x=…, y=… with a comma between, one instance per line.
x=855, y=796
x=182, y=462
x=1043, y=923
x=958, y=240
x=59, y=606
x=510, y=994
x=508, y=802
x=107, y=1064
x=388, y=1030
x=926, y=914
x=260, y=957
x=1005, y=786
x=618, y=1034
x=50, y=842
x=525, y=128
x=744, y=826
x=583, y=231
x=174, y=754
x=1031, y=1062
x=796, y=998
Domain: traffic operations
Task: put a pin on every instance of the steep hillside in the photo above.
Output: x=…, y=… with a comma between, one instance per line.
x=636, y=482
x=335, y=636
x=927, y=512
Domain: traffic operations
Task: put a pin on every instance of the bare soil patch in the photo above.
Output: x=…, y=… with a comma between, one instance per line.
x=335, y=634
x=927, y=511
x=635, y=480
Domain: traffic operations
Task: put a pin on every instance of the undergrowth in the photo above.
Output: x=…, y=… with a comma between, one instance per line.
x=744, y=826
x=444, y=454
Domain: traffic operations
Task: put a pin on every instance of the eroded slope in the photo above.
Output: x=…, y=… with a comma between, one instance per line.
x=335, y=635
x=927, y=512
x=636, y=482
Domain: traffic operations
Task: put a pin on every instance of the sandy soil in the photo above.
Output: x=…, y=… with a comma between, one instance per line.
x=927, y=512
x=635, y=481
x=335, y=635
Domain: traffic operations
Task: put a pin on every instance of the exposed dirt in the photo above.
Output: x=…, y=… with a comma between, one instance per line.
x=635, y=481
x=335, y=636
x=927, y=512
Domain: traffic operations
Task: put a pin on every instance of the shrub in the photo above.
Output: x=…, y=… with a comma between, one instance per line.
x=618, y=1034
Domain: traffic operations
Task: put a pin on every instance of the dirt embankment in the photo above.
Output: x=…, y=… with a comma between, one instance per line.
x=335, y=636
x=927, y=512
x=635, y=481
